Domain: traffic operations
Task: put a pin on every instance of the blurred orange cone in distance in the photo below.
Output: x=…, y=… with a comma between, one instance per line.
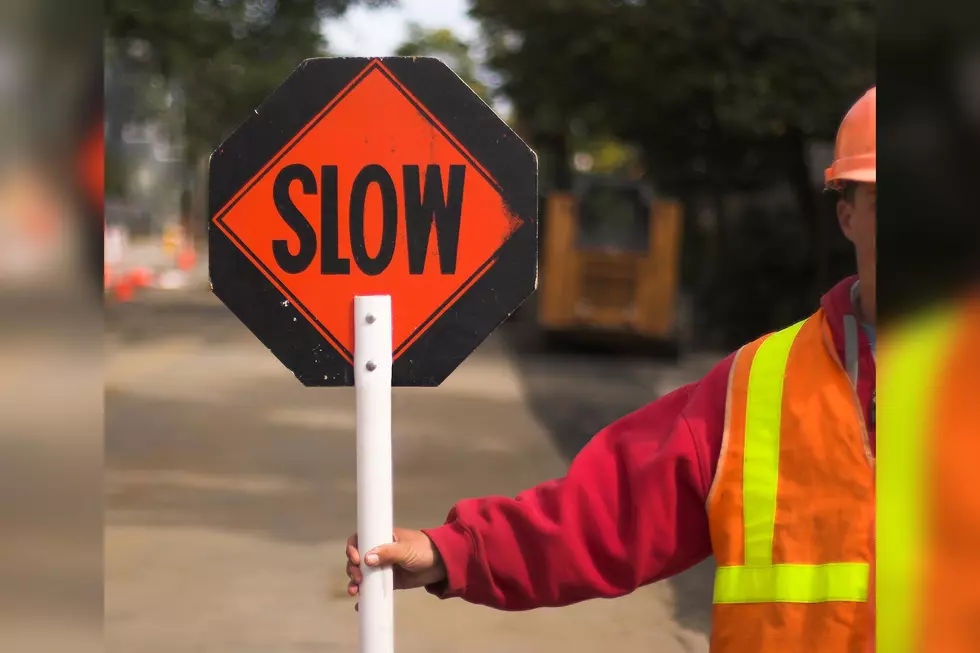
x=186, y=258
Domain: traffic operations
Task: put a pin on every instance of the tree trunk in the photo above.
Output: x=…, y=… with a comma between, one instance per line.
x=556, y=144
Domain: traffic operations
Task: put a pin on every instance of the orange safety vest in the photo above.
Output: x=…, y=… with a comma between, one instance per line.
x=791, y=508
x=929, y=505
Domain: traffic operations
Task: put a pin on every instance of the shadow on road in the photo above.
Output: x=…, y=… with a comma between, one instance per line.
x=692, y=596
x=575, y=388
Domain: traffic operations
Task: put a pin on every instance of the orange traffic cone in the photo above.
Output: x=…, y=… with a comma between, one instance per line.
x=124, y=290
x=186, y=259
x=141, y=277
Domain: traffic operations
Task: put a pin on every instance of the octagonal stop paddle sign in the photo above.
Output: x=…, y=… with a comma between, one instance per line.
x=366, y=177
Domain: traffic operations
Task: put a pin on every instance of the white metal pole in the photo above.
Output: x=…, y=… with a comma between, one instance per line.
x=372, y=383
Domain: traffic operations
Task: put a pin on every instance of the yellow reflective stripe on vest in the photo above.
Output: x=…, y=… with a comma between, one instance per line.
x=909, y=370
x=760, y=470
x=760, y=581
x=836, y=581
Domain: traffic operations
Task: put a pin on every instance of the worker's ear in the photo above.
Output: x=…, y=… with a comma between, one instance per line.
x=845, y=216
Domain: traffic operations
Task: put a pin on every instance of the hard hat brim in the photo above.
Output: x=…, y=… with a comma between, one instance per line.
x=867, y=175
x=858, y=168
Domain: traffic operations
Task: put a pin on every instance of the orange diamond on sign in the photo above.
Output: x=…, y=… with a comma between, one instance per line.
x=373, y=196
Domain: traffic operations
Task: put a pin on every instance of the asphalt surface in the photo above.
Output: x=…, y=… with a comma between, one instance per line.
x=230, y=489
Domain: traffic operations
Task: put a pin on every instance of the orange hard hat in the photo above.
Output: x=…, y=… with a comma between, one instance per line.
x=856, y=151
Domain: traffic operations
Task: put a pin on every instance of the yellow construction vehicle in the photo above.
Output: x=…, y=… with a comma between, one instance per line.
x=610, y=262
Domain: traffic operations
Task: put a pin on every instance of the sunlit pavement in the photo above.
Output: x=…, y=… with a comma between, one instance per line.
x=230, y=489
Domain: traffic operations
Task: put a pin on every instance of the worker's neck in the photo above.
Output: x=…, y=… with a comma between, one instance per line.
x=866, y=308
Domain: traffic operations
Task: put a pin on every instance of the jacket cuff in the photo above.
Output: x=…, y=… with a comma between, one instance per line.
x=454, y=546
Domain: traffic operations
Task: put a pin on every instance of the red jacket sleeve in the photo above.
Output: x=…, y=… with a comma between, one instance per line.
x=630, y=511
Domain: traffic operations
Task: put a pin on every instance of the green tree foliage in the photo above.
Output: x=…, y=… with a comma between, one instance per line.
x=442, y=44
x=610, y=157
x=720, y=91
x=226, y=55
x=720, y=96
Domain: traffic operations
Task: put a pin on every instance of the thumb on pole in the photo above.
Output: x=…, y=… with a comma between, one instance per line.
x=386, y=554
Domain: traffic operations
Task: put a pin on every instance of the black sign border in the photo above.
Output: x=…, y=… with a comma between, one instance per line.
x=260, y=141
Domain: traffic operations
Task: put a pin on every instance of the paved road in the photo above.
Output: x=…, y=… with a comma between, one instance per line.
x=230, y=490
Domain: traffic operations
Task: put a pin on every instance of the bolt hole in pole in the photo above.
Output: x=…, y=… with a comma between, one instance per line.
x=375, y=519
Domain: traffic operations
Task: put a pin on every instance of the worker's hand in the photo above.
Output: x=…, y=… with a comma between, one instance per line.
x=415, y=559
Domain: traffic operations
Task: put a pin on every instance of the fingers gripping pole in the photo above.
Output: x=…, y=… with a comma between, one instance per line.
x=372, y=383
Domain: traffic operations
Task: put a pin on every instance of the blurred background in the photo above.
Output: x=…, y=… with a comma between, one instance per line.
x=728, y=109
x=681, y=149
